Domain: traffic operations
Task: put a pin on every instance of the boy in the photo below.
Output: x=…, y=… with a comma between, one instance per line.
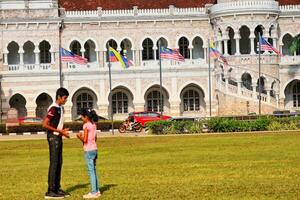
x=54, y=125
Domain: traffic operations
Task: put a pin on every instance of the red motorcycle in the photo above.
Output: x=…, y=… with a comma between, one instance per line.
x=129, y=126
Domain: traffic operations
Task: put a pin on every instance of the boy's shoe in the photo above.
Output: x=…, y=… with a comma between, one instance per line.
x=53, y=195
x=66, y=194
x=92, y=196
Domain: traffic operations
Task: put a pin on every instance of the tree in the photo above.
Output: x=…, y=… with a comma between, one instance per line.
x=295, y=44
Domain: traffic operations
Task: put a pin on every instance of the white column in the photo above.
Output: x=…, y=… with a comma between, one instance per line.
x=141, y=56
x=239, y=85
x=133, y=56
x=37, y=57
x=52, y=57
x=252, y=36
x=191, y=52
x=268, y=95
x=97, y=56
x=5, y=58
x=154, y=53
x=226, y=47
x=21, y=52
x=254, y=96
x=82, y=53
x=226, y=83
x=205, y=53
x=237, y=44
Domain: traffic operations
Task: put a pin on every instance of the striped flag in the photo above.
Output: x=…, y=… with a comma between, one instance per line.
x=266, y=46
x=172, y=54
x=115, y=56
x=213, y=52
x=67, y=56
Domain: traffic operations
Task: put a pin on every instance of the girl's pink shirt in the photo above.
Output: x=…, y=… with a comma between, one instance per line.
x=91, y=143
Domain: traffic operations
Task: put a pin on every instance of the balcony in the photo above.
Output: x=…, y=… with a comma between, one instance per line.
x=270, y=59
x=244, y=7
x=29, y=67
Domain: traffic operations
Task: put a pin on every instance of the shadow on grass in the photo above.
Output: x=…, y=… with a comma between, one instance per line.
x=76, y=187
x=106, y=187
x=79, y=186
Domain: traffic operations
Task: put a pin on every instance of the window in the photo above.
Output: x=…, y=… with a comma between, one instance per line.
x=45, y=55
x=191, y=100
x=119, y=103
x=184, y=47
x=148, y=49
x=154, y=103
x=76, y=47
x=84, y=100
x=296, y=95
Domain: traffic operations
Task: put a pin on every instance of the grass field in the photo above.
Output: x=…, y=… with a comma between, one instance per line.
x=244, y=166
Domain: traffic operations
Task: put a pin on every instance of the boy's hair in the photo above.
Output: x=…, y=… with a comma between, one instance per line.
x=90, y=113
x=61, y=92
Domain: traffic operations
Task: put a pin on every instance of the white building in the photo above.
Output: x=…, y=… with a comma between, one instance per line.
x=32, y=31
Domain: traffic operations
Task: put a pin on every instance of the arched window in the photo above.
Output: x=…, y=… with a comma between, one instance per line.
x=184, y=47
x=191, y=100
x=261, y=88
x=84, y=100
x=198, y=51
x=113, y=44
x=245, y=45
x=148, y=49
x=163, y=43
x=76, y=48
x=247, y=81
x=45, y=55
x=286, y=40
x=13, y=56
x=231, y=46
x=153, y=101
x=120, y=103
x=29, y=57
x=296, y=95
x=90, y=53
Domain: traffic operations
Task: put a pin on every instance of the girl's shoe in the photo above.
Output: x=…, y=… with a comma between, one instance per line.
x=91, y=195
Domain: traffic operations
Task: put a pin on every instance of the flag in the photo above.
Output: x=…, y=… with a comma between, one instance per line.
x=213, y=52
x=67, y=56
x=266, y=46
x=172, y=54
x=115, y=56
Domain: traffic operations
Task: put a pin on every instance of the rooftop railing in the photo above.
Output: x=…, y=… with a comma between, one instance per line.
x=136, y=12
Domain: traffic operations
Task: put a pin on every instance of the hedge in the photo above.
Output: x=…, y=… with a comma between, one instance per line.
x=173, y=127
x=73, y=126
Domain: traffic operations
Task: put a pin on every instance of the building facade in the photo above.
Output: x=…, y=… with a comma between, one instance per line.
x=32, y=32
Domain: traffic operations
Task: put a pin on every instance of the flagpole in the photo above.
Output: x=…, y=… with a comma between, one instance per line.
x=209, y=77
x=60, y=63
x=259, y=74
x=110, y=91
x=160, y=82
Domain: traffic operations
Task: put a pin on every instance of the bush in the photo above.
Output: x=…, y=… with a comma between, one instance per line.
x=2, y=128
x=25, y=128
x=73, y=126
x=173, y=127
x=231, y=125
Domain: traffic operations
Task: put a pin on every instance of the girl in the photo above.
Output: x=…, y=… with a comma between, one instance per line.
x=89, y=138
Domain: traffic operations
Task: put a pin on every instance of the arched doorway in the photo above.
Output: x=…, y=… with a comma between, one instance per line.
x=43, y=101
x=18, y=102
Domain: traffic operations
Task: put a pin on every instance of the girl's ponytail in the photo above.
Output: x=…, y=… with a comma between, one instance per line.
x=90, y=113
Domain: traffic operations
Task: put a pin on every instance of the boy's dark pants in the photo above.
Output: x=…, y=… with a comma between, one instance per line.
x=55, y=150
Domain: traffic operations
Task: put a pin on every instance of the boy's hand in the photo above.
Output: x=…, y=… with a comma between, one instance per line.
x=78, y=135
x=65, y=132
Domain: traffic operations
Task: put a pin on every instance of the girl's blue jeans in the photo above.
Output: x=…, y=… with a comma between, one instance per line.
x=91, y=157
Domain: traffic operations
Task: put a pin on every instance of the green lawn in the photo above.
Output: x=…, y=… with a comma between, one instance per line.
x=244, y=166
